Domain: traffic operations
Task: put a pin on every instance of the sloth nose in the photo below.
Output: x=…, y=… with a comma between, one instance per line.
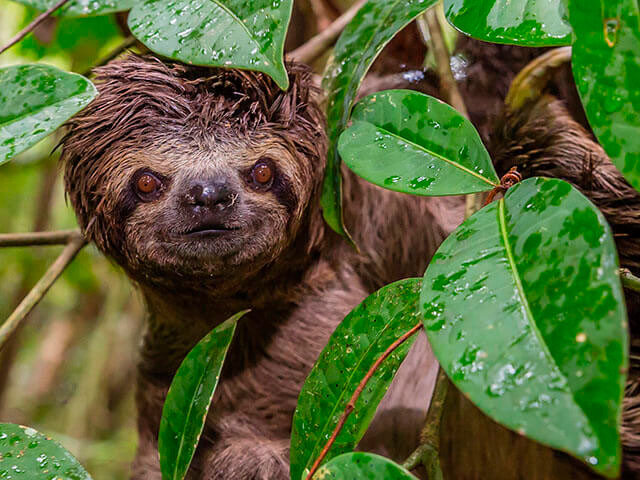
x=214, y=194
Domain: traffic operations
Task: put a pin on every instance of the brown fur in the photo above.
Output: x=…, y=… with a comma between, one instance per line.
x=297, y=276
x=543, y=139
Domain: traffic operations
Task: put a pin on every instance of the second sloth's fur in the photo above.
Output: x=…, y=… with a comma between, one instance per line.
x=298, y=278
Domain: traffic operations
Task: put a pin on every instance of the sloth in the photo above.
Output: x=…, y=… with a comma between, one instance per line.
x=204, y=184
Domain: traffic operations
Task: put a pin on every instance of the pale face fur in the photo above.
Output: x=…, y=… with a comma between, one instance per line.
x=175, y=235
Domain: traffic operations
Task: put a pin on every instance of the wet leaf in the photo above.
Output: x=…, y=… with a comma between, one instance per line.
x=373, y=27
x=189, y=398
x=362, y=466
x=524, y=310
x=77, y=8
x=413, y=143
x=353, y=348
x=532, y=23
x=34, y=101
x=607, y=73
x=26, y=453
x=225, y=33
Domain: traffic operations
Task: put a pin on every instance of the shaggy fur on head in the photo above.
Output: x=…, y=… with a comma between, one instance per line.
x=182, y=124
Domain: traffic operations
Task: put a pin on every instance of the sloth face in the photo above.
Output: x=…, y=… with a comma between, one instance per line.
x=187, y=174
x=205, y=209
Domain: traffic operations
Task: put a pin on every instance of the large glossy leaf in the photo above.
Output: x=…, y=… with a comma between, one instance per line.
x=413, y=143
x=353, y=348
x=227, y=33
x=34, y=101
x=364, y=38
x=26, y=453
x=362, y=466
x=532, y=23
x=607, y=73
x=524, y=310
x=189, y=398
x=82, y=7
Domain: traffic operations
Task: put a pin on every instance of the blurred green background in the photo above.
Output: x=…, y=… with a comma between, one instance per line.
x=70, y=371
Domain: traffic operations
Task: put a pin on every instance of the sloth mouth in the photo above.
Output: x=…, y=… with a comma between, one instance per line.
x=209, y=230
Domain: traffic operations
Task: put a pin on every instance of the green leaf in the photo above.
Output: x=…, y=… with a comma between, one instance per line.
x=530, y=23
x=34, y=101
x=225, y=33
x=362, y=466
x=77, y=8
x=189, y=398
x=26, y=453
x=353, y=348
x=413, y=143
x=524, y=310
x=363, y=39
x=607, y=73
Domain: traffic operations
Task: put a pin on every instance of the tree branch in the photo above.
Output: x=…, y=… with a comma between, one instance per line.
x=319, y=44
x=428, y=452
x=356, y=394
x=62, y=237
x=32, y=26
x=629, y=280
x=41, y=288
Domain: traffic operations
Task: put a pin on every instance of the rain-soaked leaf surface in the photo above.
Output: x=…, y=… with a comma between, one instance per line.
x=532, y=23
x=29, y=455
x=524, y=310
x=34, y=101
x=362, y=466
x=353, y=348
x=225, y=33
x=373, y=27
x=607, y=72
x=82, y=7
x=189, y=398
x=413, y=143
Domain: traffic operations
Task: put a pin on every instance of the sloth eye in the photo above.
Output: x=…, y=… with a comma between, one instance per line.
x=147, y=186
x=147, y=183
x=262, y=173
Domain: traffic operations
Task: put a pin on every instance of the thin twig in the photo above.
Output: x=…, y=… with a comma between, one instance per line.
x=41, y=288
x=433, y=37
x=319, y=44
x=128, y=42
x=448, y=84
x=356, y=394
x=38, y=238
x=629, y=280
x=32, y=26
